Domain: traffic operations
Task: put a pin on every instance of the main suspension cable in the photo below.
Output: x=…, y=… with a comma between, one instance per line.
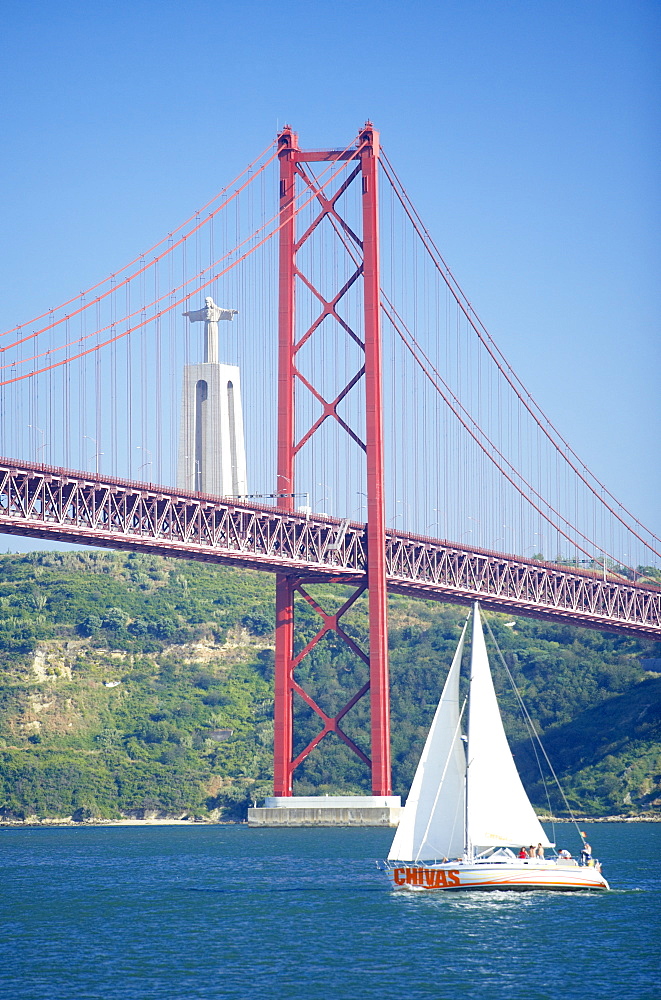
x=524, y=395
x=173, y=304
x=453, y=402
x=142, y=255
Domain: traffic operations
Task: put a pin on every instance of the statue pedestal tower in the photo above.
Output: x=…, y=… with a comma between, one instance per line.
x=212, y=453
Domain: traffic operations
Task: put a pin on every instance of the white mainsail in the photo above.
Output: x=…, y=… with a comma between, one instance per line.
x=432, y=822
x=498, y=810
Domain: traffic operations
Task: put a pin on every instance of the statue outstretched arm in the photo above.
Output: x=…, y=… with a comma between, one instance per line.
x=210, y=314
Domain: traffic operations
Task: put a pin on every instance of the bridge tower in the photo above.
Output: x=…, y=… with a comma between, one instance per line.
x=293, y=178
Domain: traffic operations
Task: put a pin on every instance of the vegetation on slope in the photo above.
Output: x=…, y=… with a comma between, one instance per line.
x=134, y=684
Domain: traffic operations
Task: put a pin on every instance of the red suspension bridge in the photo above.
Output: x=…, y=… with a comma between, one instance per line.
x=381, y=421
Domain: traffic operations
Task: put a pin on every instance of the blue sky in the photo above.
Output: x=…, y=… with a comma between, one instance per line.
x=527, y=135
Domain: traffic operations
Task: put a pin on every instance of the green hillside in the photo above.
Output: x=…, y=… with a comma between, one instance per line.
x=607, y=757
x=134, y=685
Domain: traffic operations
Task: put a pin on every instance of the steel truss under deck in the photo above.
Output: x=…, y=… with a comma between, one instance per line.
x=45, y=502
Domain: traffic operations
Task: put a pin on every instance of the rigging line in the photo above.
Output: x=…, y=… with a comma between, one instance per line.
x=522, y=705
x=491, y=444
x=152, y=248
x=142, y=270
x=503, y=472
x=189, y=281
x=175, y=303
x=506, y=369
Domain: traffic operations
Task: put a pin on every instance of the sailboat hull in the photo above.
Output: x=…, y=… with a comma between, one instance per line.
x=474, y=778
x=502, y=876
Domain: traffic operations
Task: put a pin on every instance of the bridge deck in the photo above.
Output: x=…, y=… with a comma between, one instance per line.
x=46, y=502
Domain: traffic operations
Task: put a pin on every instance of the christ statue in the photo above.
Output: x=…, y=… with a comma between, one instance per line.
x=210, y=314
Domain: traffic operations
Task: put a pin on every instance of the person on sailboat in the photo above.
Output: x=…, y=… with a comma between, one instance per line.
x=586, y=854
x=523, y=853
x=540, y=852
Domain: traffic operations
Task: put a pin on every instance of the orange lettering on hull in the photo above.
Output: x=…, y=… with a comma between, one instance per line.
x=443, y=879
x=426, y=878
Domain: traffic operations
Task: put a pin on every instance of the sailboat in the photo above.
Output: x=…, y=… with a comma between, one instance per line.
x=467, y=819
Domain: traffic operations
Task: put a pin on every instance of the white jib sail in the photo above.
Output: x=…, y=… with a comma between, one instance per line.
x=432, y=822
x=499, y=812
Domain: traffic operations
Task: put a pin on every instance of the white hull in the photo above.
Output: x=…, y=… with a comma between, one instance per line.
x=486, y=875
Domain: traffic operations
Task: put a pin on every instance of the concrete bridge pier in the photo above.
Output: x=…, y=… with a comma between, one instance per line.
x=327, y=810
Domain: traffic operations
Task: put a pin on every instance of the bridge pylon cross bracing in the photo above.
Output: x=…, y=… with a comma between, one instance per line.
x=362, y=161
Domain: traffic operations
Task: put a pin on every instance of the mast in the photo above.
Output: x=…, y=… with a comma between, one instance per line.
x=466, y=844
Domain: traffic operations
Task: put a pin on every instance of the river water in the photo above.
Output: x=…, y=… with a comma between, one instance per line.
x=224, y=912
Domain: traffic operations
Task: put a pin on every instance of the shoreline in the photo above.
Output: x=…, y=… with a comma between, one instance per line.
x=642, y=818
x=34, y=821
x=67, y=821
